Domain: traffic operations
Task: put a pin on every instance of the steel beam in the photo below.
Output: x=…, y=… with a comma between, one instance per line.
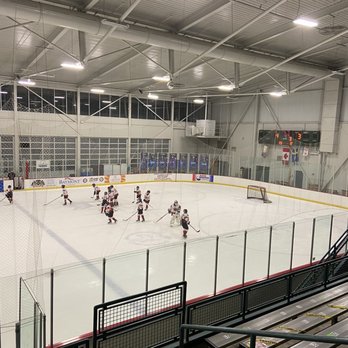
x=248, y=24
x=114, y=65
x=295, y=56
x=129, y=10
x=202, y=14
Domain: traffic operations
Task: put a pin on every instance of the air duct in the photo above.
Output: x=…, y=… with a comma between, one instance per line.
x=52, y=15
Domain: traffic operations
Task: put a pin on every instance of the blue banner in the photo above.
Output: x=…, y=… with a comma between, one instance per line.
x=1, y=186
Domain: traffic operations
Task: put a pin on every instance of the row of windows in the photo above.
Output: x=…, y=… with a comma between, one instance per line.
x=58, y=101
x=6, y=154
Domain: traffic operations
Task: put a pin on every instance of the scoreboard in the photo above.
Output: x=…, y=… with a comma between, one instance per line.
x=289, y=137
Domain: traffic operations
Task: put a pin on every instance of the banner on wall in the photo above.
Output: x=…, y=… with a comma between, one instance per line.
x=68, y=181
x=1, y=186
x=43, y=164
x=286, y=155
x=203, y=177
x=164, y=177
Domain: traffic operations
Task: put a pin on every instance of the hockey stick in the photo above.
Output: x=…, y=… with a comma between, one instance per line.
x=52, y=201
x=130, y=217
x=195, y=229
x=161, y=217
x=2, y=199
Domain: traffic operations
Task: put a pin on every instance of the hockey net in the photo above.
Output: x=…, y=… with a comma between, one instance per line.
x=258, y=192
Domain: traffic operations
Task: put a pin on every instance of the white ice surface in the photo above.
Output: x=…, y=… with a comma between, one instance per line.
x=36, y=236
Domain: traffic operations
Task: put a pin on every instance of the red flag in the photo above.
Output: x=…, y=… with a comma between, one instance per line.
x=286, y=155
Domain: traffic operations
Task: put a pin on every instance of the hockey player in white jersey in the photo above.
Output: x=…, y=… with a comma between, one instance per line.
x=174, y=211
x=147, y=199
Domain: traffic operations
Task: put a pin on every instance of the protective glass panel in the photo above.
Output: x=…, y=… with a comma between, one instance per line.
x=281, y=248
x=257, y=249
x=166, y=266
x=125, y=275
x=27, y=317
x=321, y=238
x=302, y=242
x=339, y=226
x=41, y=288
x=230, y=261
x=76, y=290
x=200, y=267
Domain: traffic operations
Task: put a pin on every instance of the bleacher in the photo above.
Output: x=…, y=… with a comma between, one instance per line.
x=299, y=317
x=306, y=315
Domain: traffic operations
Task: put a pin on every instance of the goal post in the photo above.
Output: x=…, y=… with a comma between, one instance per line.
x=257, y=192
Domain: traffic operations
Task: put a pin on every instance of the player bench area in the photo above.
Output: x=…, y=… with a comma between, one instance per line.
x=286, y=314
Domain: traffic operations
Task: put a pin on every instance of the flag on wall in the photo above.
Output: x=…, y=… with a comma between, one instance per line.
x=305, y=152
x=294, y=154
x=286, y=155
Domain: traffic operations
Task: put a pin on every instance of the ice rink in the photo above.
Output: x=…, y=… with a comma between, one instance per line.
x=37, y=236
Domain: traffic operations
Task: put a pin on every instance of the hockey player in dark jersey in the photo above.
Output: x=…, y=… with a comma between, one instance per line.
x=109, y=212
x=9, y=193
x=185, y=221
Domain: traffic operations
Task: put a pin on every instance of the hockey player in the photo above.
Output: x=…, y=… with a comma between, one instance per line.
x=104, y=202
x=65, y=195
x=137, y=191
x=113, y=189
x=111, y=197
x=9, y=193
x=140, y=211
x=185, y=221
x=147, y=199
x=174, y=211
x=96, y=191
x=109, y=212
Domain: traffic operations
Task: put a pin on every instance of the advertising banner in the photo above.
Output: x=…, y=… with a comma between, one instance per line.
x=1, y=186
x=203, y=177
x=68, y=181
x=164, y=177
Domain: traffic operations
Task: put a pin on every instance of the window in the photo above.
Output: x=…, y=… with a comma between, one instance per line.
x=6, y=97
x=6, y=154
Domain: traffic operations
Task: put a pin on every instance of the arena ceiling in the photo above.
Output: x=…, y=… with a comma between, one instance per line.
x=198, y=45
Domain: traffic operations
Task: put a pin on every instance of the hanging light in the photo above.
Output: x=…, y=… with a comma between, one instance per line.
x=277, y=93
x=165, y=78
x=152, y=96
x=27, y=82
x=97, y=90
x=306, y=22
x=226, y=88
x=74, y=66
x=198, y=101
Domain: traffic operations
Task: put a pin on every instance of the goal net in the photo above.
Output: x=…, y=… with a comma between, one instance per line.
x=258, y=192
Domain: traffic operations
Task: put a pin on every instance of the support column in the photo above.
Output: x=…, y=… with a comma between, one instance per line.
x=255, y=136
x=331, y=110
x=16, y=127
x=172, y=125
x=78, y=139
x=129, y=132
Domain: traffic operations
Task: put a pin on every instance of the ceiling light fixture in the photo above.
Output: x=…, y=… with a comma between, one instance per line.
x=226, y=88
x=277, y=94
x=152, y=96
x=106, y=101
x=165, y=78
x=198, y=101
x=3, y=92
x=306, y=22
x=27, y=82
x=97, y=90
x=59, y=97
x=148, y=105
x=74, y=66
